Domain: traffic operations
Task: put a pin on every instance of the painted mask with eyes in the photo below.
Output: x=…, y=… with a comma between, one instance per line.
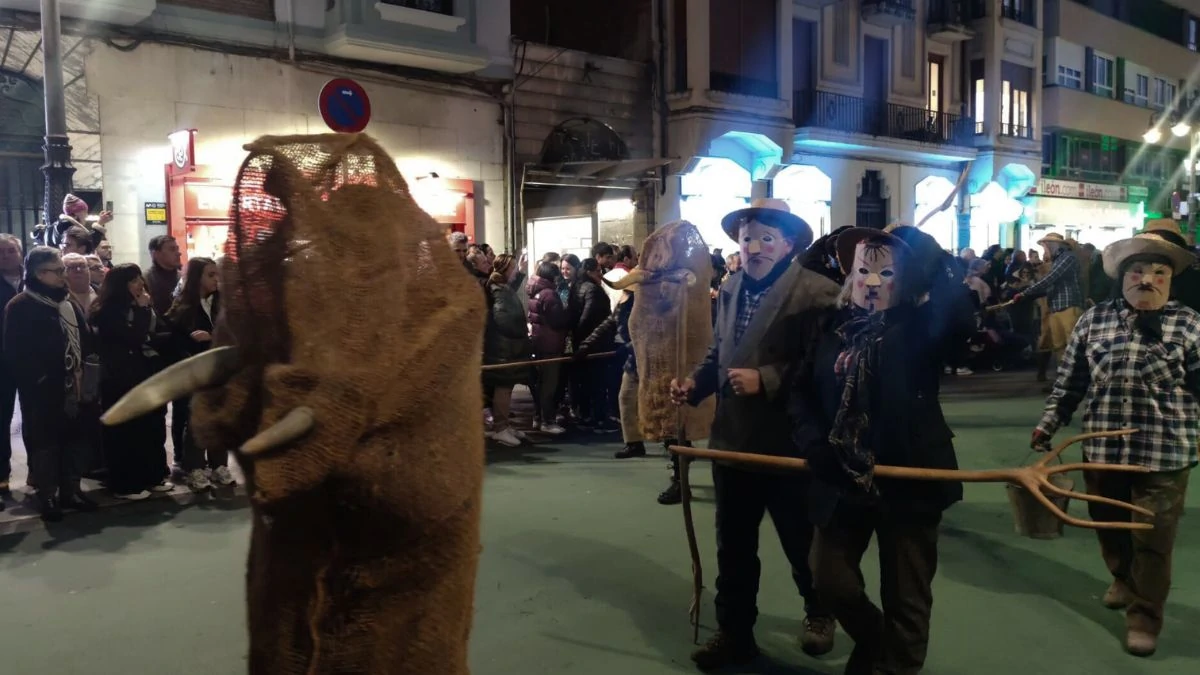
x=1146, y=284
x=762, y=247
x=874, y=277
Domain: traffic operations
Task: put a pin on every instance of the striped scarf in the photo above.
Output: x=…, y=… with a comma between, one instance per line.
x=73, y=358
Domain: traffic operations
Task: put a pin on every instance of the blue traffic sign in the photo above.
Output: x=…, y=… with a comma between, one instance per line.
x=345, y=106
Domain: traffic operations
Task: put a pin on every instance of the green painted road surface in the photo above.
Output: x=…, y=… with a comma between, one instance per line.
x=584, y=574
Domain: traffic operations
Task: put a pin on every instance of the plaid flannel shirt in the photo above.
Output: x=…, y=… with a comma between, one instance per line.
x=1132, y=383
x=747, y=306
x=1062, y=286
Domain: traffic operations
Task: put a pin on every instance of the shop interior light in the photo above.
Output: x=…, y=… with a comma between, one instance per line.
x=1180, y=130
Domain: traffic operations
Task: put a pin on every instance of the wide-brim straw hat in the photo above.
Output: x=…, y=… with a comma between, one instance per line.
x=1053, y=238
x=1116, y=253
x=848, y=241
x=1162, y=225
x=773, y=213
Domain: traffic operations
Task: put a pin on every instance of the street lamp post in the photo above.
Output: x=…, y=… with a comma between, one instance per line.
x=57, y=170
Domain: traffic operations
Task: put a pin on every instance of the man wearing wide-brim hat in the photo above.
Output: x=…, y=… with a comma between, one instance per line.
x=766, y=316
x=1064, y=297
x=1135, y=360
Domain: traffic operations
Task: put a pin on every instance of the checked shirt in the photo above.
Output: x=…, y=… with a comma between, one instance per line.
x=746, y=309
x=1061, y=285
x=1131, y=382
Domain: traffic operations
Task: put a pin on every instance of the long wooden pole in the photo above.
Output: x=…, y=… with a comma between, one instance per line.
x=685, y=486
x=543, y=362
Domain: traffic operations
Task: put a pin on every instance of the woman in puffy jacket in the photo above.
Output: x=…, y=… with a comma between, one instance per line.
x=506, y=340
x=549, y=324
x=589, y=307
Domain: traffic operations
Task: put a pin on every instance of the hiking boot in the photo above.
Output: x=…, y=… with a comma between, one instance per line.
x=631, y=450
x=672, y=495
x=724, y=650
x=1140, y=643
x=816, y=636
x=1118, y=595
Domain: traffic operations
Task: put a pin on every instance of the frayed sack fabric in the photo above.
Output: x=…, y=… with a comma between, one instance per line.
x=346, y=368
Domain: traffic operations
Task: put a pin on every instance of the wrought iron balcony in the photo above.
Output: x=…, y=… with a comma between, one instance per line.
x=948, y=21
x=854, y=115
x=436, y=6
x=889, y=13
x=1024, y=13
x=816, y=4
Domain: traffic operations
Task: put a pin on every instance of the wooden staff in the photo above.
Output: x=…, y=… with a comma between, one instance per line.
x=1034, y=478
x=962, y=180
x=543, y=362
x=685, y=461
x=1003, y=305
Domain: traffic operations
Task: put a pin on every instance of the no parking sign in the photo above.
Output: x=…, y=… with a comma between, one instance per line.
x=344, y=105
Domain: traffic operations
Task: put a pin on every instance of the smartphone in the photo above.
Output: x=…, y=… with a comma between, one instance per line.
x=108, y=206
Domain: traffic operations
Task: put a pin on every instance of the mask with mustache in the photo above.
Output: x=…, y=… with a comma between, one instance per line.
x=873, y=277
x=1146, y=285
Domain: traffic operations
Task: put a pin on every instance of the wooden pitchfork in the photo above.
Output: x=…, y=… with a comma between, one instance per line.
x=1035, y=478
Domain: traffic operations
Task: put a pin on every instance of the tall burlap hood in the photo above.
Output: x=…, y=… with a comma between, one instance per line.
x=672, y=256
x=355, y=376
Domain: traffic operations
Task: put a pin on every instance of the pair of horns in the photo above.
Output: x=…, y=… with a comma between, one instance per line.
x=212, y=368
x=640, y=276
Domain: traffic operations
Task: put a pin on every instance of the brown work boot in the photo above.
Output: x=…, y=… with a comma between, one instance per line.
x=1118, y=595
x=1140, y=643
x=724, y=650
x=816, y=637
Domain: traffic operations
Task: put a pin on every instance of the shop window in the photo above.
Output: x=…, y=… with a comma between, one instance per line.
x=808, y=191
x=1139, y=95
x=744, y=58
x=1102, y=76
x=1070, y=77
x=1164, y=93
x=931, y=193
x=714, y=187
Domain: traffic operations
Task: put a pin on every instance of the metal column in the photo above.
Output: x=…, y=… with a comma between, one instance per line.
x=57, y=170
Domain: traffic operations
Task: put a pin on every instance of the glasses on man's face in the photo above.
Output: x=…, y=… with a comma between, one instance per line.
x=56, y=271
x=77, y=268
x=96, y=268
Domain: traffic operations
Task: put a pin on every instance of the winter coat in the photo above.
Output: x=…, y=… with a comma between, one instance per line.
x=506, y=338
x=613, y=334
x=589, y=307
x=133, y=344
x=185, y=320
x=34, y=349
x=548, y=318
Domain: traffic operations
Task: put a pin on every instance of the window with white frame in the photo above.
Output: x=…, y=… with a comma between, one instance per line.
x=1139, y=94
x=1164, y=93
x=1102, y=76
x=1070, y=77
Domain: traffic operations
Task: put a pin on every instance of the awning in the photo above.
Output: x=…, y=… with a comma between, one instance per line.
x=617, y=174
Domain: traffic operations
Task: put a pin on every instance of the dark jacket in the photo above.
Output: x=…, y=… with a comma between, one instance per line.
x=183, y=320
x=1185, y=287
x=34, y=349
x=7, y=293
x=122, y=338
x=613, y=334
x=161, y=284
x=589, y=307
x=548, y=318
x=507, y=337
x=907, y=427
x=786, y=323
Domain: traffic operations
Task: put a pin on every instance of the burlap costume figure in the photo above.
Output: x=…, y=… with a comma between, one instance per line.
x=357, y=381
x=668, y=255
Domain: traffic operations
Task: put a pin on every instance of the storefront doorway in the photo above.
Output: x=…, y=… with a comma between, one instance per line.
x=560, y=235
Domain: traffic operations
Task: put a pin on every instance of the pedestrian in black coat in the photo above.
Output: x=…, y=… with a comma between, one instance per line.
x=45, y=342
x=11, y=283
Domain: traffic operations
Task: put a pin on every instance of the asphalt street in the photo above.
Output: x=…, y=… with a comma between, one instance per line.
x=584, y=574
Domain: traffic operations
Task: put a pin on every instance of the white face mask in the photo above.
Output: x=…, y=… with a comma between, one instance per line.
x=1147, y=285
x=873, y=277
x=762, y=247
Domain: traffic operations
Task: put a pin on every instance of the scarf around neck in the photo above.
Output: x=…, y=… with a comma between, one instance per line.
x=861, y=334
x=73, y=355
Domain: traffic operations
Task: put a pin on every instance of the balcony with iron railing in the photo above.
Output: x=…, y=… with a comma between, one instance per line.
x=889, y=13
x=947, y=21
x=1023, y=13
x=851, y=114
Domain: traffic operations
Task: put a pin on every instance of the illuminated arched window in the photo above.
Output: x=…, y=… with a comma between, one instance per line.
x=808, y=193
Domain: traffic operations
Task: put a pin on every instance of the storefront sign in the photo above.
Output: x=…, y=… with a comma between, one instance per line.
x=156, y=213
x=1050, y=187
x=1138, y=193
x=183, y=151
x=344, y=105
x=583, y=140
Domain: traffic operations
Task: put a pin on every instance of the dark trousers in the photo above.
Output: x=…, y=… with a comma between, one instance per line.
x=742, y=499
x=1140, y=559
x=181, y=410
x=52, y=444
x=8, y=401
x=545, y=392
x=197, y=457
x=136, y=453
x=894, y=640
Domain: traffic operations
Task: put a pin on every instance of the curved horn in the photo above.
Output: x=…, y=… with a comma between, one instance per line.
x=295, y=424
x=635, y=276
x=202, y=371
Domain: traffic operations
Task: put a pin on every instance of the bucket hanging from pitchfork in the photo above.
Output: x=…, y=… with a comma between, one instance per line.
x=1031, y=518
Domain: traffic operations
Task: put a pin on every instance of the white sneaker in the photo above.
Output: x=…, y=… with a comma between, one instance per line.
x=964, y=371
x=553, y=429
x=197, y=481
x=488, y=420
x=165, y=486
x=222, y=477
x=518, y=433
x=506, y=437
x=134, y=497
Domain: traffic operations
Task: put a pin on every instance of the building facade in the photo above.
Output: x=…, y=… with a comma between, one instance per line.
x=1114, y=70
x=149, y=79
